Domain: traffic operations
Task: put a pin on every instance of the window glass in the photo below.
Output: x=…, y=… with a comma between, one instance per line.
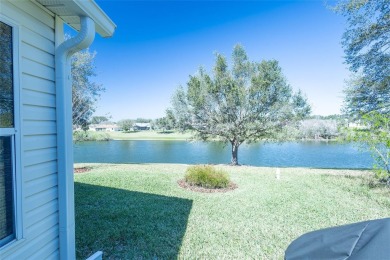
x=6, y=189
x=6, y=77
x=7, y=227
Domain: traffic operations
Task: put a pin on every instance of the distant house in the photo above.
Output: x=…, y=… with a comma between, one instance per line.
x=356, y=125
x=36, y=152
x=105, y=128
x=141, y=126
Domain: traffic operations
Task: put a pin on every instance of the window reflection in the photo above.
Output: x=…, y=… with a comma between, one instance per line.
x=6, y=189
x=6, y=77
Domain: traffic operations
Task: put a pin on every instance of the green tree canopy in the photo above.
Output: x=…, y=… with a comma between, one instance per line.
x=366, y=43
x=143, y=120
x=99, y=119
x=244, y=103
x=126, y=124
x=367, y=47
x=374, y=135
x=168, y=122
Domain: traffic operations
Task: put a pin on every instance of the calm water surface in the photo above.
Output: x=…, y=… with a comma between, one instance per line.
x=288, y=154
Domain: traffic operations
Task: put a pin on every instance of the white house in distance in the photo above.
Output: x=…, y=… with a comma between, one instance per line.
x=36, y=157
x=105, y=127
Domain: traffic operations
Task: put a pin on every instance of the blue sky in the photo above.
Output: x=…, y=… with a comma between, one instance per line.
x=158, y=44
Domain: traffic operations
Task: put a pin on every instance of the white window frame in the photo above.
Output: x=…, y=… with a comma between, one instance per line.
x=16, y=133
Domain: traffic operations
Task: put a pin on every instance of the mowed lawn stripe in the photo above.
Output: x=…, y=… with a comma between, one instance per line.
x=139, y=211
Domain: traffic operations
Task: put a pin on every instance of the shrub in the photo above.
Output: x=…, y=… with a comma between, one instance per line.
x=207, y=176
x=82, y=136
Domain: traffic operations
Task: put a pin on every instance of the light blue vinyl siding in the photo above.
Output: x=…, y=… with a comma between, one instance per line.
x=38, y=132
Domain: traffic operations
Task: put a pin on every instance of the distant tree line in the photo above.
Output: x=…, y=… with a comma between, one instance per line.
x=168, y=122
x=312, y=128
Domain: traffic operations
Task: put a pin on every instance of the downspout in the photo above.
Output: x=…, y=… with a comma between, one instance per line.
x=64, y=134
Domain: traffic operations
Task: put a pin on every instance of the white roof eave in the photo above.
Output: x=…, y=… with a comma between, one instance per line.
x=104, y=25
x=71, y=10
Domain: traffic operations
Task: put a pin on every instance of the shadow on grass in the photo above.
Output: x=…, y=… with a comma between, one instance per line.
x=127, y=225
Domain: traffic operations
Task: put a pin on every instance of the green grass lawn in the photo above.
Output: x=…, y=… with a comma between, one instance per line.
x=138, y=211
x=150, y=135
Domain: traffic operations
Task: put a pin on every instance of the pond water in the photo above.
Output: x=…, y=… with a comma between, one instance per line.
x=287, y=154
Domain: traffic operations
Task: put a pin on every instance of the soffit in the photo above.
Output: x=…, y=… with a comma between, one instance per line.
x=71, y=10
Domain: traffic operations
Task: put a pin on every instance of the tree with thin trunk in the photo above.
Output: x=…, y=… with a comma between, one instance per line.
x=85, y=92
x=248, y=102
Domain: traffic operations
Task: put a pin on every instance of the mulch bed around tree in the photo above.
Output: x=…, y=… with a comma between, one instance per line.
x=182, y=183
x=81, y=169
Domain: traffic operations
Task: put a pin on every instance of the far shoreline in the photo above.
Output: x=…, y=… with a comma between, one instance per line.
x=331, y=171
x=150, y=135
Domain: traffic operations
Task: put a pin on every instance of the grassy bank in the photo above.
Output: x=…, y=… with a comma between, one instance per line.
x=149, y=135
x=82, y=136
x=139, y=211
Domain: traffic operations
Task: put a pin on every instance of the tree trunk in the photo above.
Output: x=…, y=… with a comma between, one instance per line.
x=234, y=153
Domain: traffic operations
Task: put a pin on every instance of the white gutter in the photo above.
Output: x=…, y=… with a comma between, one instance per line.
x=104, y=26
x=64, y=134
